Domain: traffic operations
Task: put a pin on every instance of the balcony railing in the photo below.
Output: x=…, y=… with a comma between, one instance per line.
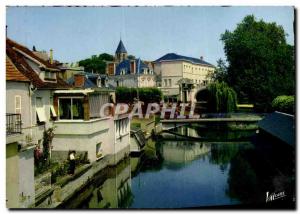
x=13, y=124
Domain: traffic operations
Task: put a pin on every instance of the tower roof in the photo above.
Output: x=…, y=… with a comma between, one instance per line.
x=121, y=48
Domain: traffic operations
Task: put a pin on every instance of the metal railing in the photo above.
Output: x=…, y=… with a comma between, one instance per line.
x=13, y=124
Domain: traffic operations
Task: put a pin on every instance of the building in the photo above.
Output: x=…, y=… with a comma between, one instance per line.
x=38, y=99
x=91, y=80
x=29, y=112
x=69, y=70
x=129, y=72
x=180, y=77
x=79, y=109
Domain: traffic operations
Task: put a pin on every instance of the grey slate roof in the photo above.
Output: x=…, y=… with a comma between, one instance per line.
x=177, y=57
x=121, y=48
x=279, y=125
x=125, y=64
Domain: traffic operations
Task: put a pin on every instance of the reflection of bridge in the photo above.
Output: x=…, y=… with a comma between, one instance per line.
x=168, y=124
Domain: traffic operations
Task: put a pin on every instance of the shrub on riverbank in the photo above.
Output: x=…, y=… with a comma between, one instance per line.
x=284, y=104
x=147, y=95
x=221, y=98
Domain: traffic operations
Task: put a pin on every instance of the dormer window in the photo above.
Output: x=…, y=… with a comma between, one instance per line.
x=50, y=76
x=122, y=72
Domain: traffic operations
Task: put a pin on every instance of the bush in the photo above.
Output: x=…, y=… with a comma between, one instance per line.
x=284, y=104
x=147, y=95
x=221, y=98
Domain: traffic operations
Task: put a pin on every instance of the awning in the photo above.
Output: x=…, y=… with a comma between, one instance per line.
x=41, y=114
x=74, y=91
x=53, y=111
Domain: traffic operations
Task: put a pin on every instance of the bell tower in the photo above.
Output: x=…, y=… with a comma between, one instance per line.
x=121, y=53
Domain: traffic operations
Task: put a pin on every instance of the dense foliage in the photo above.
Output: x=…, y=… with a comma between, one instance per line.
x=221, y=98
x=284, y=104
x=96, y=64
x=220, y=73
x=42, y=158
x=260, y=62
x=147, y=95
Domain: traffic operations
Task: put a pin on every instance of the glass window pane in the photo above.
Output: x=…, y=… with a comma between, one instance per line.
x=65, y=109
x=77, y=109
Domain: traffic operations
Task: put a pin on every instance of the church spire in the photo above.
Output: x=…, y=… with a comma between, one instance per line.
x=121, y=48
x=121, y=52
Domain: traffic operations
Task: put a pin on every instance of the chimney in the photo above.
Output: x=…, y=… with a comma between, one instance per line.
x=51, y=56
x=79, y=80
x=201, y=57
x=132, y=67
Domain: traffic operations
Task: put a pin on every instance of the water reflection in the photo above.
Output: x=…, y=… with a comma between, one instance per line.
x=181, y=153
x=110, y=188
x=215, y=134
x=178, y=174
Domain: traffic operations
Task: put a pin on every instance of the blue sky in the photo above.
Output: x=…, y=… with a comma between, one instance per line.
x=75, y=33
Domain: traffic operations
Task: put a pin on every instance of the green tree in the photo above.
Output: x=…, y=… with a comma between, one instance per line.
x=260, y=62
x=96, y=64
x=131, y=57
x=220, y=73
x=221, y=98
x=284, y=104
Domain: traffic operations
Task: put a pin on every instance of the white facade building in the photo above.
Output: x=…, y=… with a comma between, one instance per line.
x=175, y=70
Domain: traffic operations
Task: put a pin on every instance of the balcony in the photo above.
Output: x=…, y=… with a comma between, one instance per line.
x=13, y=124
x=81, y=127
x=13, y=128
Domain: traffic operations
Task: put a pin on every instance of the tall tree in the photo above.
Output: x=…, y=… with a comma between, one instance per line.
x=96, y=64
x=220, y=73
x=260, y=62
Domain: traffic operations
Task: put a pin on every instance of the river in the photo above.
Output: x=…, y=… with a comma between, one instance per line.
x=188, y=174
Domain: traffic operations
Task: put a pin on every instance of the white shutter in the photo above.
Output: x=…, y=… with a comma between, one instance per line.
x=18, y=104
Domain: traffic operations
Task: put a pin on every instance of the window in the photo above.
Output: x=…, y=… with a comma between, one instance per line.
x=40, y=110
x=166, y=82
x=49, y=75
x=98, y=150
x=18, y=104
x=170, y=82
x=122, y=72
x=52, y=110
x=70, y=108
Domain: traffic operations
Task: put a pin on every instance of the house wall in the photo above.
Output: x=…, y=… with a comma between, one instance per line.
x=130, y=80
x=197, y=73
x=33, y=133
x=122, y=138
x=18, y=89
x=172, y=71
x=12, y=175
x=26, y=178
x=84, y=136
x=147, y=80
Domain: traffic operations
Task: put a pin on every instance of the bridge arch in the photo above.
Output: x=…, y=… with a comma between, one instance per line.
x=201, y=98
x=201, y=95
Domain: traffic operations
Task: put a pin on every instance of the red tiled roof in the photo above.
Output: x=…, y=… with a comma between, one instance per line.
x=18, y=59
x=13, y=74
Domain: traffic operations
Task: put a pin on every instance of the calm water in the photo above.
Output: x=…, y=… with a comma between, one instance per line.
x=186, y=174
